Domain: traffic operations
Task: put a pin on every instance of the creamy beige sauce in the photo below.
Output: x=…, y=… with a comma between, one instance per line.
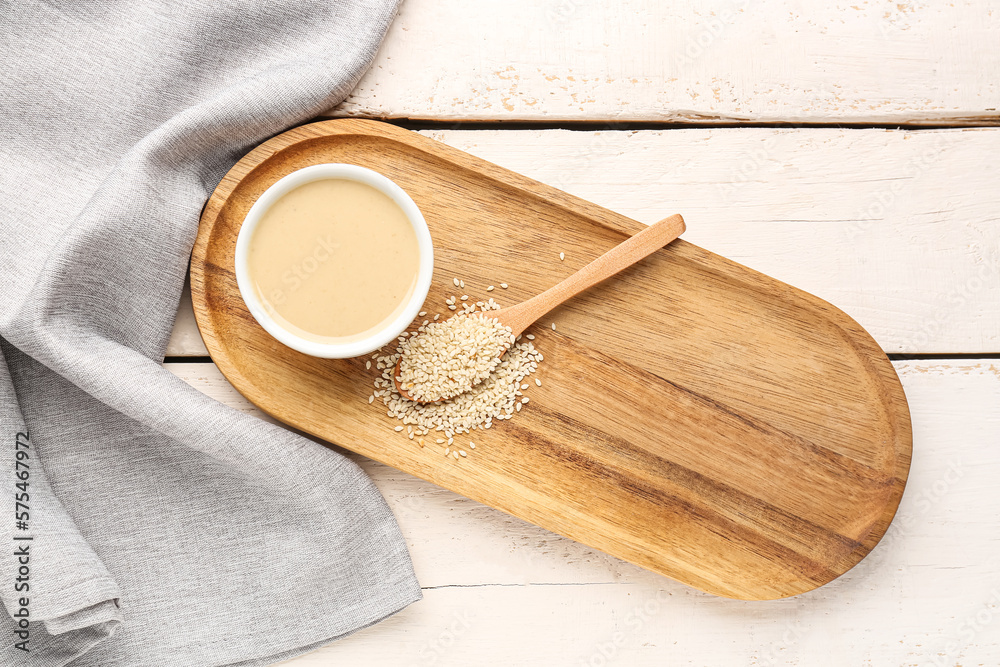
x=333, y=260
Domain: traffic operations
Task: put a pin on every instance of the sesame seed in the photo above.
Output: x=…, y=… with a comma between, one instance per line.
x=524, y=386
x=455, y=454
x=454, y=307
x=451, y=441
x=461, y=283
x=465, y=297
x=562, y=256
x=436, y=317
x=455, y=280
x=371, y=399
x=472, y=445
x=398, y=428
x=538, y=382
x=421, y=313
x=447, y=451
x=530, y=336
x=462, y=452
x=420, y=442
x=503, y=285
x=440, y=441
x=553, y=326
x=525, y=399
x=490, y=288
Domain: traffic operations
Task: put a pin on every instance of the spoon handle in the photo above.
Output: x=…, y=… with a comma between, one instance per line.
x=622, y=256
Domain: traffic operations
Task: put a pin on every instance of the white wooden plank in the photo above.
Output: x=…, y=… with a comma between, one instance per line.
x=501, y=591
x=185, y=341
x=901, y=229
x=873, y=61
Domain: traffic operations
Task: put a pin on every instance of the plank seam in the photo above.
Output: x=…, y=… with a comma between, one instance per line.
x=529, y=584
x=652, y=125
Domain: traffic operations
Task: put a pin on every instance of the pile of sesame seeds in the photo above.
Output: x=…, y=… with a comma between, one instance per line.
x=496, y=398
x=449, y=358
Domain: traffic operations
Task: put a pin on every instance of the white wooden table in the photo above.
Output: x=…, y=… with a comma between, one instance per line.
x=651, y=108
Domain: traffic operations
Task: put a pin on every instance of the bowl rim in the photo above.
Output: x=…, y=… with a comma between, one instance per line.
x=343, y=171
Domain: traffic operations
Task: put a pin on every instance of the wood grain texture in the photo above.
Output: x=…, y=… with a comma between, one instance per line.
x=634, y=249
x=723, y=428
x=498, y=590
x=898, y=228
x=871, y=61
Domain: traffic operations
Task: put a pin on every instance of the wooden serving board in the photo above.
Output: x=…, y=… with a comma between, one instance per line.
x=695, y=417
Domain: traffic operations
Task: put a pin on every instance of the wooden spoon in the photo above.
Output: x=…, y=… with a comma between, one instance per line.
x=619, y=258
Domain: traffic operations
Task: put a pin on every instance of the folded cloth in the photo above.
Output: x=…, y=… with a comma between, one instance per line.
x=142, y=523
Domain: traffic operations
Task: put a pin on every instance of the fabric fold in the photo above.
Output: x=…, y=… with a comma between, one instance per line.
x=166, y=529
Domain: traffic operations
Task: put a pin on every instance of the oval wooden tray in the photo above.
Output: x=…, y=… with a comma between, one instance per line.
x=696, y=418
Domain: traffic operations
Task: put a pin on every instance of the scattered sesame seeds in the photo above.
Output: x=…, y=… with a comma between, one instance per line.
x=492, y=400
x=562, y=256
x=496, y=398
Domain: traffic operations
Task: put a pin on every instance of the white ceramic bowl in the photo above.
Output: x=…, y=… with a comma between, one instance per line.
x=378, y=338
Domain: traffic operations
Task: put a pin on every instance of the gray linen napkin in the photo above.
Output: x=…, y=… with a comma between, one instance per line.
x=165, y=528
